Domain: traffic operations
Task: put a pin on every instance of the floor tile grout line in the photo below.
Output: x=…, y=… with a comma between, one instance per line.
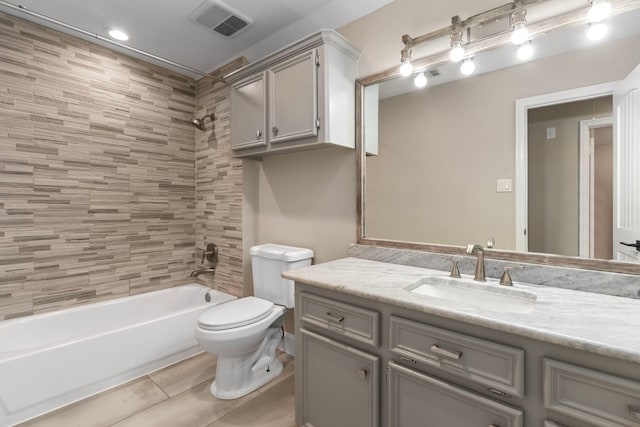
x=159, y=386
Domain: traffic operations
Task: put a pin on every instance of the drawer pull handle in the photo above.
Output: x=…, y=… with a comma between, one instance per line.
x=332, y=316
x=635, y=411
x=493, y=425
x=362, y=374
x=406, y=359
x=446, y=353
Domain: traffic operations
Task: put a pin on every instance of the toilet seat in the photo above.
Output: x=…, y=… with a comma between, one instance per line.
x=236, y=313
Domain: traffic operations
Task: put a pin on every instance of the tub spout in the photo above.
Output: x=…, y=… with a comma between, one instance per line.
x=196, y=273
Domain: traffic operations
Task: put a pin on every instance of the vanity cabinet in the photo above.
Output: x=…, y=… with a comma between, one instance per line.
x=418, y=400
x=361, y=361
x=591, y=396
x=302, y=97
x=340, y=384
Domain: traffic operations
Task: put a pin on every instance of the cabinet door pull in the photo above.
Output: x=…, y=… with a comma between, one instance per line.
x=634, y=411
x=493, y=425
x=335, y=317
x=258, y=134
x=446, y=353
x=362, y=374
x=275, y=131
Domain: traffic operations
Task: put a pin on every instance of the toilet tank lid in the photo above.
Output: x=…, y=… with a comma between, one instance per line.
x=281, y=252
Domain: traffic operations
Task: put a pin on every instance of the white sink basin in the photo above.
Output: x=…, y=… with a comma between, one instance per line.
x=489, y=295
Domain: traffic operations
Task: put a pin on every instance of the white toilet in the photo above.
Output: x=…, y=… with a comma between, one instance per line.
x=244, y=333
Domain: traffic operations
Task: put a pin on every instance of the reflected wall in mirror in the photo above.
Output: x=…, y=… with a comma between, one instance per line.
x=445, y=170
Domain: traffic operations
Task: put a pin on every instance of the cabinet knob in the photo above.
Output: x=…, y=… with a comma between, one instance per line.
x=362, y=374
x=275, y=131
x=258, y=134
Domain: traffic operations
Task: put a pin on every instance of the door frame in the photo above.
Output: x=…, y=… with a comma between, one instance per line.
x=522, y=129
x=586, y=184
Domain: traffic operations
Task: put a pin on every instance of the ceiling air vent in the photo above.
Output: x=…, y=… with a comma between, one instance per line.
x=220, y=18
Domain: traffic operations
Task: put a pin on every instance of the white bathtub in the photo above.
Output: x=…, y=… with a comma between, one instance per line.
x=52, y=359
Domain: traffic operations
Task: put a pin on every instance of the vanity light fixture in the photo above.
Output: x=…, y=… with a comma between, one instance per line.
x=456, y=54
x=468, y=67
x=406, y=68
x=116, y=34
x=525, y=51
x=520, y=33
x=420, y=81
x=599, y=11
x=597, y=31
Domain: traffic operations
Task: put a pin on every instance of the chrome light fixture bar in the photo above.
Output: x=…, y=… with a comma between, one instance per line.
x=573, y=17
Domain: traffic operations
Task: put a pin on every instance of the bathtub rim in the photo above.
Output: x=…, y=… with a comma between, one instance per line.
x=8, y=356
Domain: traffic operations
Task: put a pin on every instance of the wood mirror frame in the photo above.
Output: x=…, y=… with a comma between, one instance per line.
x=505, y=255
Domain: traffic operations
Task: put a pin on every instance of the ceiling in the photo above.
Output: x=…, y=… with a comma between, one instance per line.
x=167, y=29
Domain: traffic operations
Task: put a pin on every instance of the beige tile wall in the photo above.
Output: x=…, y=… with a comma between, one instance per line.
x=219, y=188
x=97, y=180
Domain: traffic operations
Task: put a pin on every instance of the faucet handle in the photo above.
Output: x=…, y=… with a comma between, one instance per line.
x=505, y=279
x=211, y=254
x=455, y=273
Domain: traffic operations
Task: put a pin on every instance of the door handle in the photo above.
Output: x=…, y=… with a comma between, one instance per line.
x=633, y=245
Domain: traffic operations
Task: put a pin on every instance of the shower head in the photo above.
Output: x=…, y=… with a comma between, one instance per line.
x=199, y=122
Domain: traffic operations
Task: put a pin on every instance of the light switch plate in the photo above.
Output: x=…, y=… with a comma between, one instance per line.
x=551, y=133
x=503, y=186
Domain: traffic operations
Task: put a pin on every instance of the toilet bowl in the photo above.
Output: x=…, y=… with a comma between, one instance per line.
x=244, y=333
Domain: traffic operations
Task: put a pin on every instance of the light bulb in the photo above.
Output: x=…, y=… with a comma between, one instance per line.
x=420, y=80
x=406, y=69
x=520, y=34
x=525, y=51
x=597, y=31
x=468, y=67
x=599, y=11
x=457, y=52
x=118, y=35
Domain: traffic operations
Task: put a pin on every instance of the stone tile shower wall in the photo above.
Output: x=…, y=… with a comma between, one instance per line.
x=218, y=188
x=97, y=180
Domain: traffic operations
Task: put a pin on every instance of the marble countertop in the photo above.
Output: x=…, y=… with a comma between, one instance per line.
x=586, y=321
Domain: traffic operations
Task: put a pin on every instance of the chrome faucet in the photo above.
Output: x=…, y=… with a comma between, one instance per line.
x=478, y=251
x=196, y=273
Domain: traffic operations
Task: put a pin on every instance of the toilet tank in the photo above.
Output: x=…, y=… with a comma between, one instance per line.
x=268, y=262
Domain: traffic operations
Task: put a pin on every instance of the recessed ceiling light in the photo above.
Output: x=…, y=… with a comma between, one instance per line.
x=118, y=35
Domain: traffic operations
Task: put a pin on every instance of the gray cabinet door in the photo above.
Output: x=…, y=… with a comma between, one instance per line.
x=293, y=98
x=248, y=113
x=419, y=400
x=339, y=384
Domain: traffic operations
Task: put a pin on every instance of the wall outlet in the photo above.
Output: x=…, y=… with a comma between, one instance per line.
x=503, y=186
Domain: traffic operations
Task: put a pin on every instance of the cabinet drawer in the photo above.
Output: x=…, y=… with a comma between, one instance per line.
x=354, y=322
x=495, y=366
x=418, y=400
x=592, y=396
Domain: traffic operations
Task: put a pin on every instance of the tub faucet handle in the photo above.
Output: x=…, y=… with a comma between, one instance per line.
x=211, y=254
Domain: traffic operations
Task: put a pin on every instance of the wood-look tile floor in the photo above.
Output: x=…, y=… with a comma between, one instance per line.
x=178, y=396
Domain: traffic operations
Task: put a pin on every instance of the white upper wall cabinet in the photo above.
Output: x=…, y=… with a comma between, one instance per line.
x=300, y=98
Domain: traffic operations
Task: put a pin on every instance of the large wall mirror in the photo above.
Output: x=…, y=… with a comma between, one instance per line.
x=521, y=152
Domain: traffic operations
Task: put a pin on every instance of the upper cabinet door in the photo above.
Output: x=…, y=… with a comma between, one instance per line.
x=293, y=94
x=248, y=113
